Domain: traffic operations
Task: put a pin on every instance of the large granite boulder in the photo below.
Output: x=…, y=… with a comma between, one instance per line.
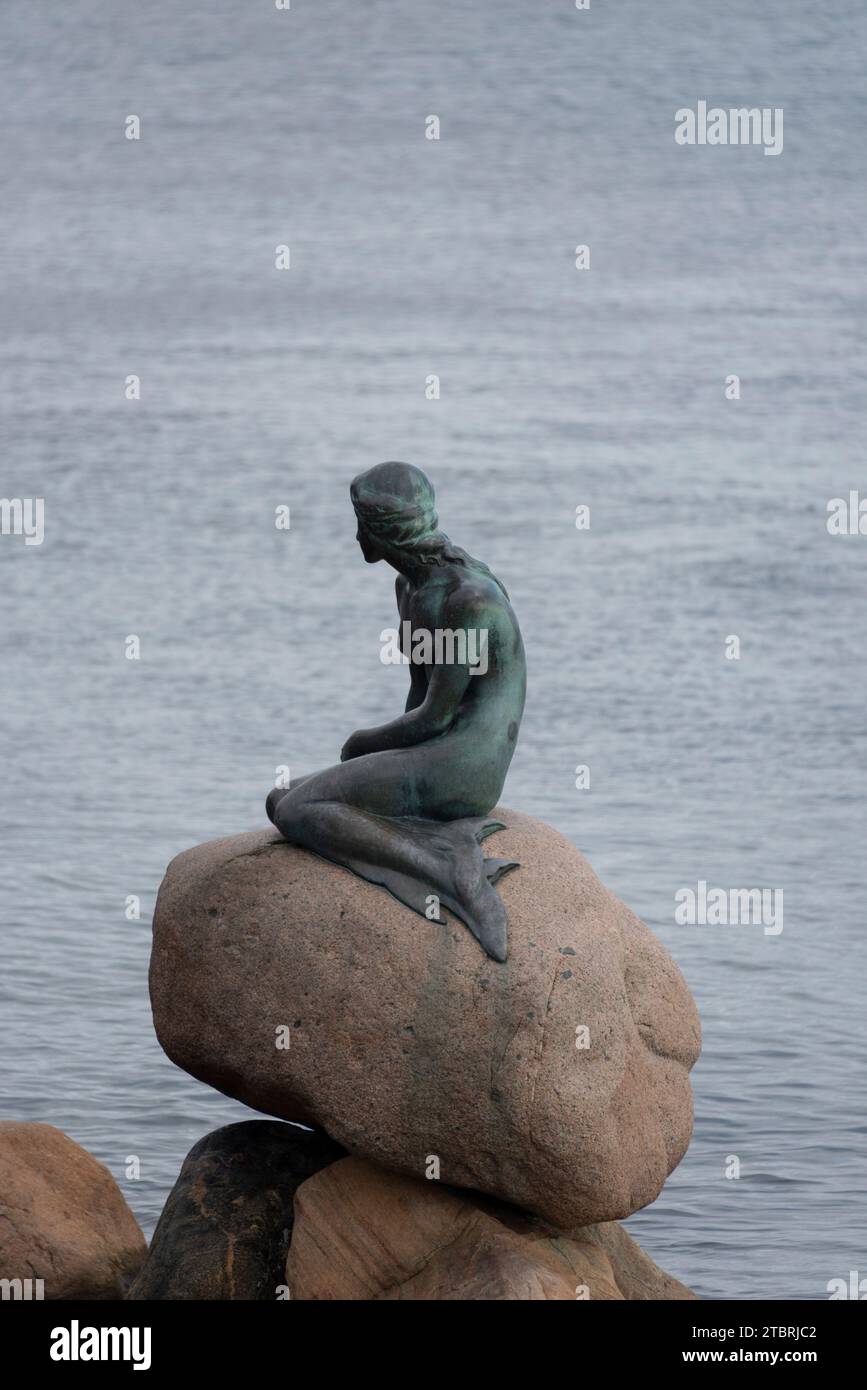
x=225, y=1229
x=364, y=1233
x=63, y=1218
x=558, y=1081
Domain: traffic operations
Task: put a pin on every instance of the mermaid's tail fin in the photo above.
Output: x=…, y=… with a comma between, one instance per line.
x=485, y=916
x=495, y=868
x=465, y=882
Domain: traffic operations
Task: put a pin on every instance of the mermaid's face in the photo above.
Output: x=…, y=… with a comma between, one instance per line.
x=369, y=549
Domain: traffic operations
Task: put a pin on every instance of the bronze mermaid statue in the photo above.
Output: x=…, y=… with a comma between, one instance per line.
x=408, y=804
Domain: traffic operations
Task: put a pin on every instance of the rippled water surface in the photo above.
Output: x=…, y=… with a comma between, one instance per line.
x=411, y=257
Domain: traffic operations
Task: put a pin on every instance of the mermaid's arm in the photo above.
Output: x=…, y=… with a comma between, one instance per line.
x=446, y=688
x=417, y=678
x=417, y=688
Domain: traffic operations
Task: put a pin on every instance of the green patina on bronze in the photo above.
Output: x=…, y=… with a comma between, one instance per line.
x=408, y=804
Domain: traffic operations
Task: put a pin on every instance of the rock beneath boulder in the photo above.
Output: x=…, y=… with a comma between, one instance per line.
x=557, y=1081
x=364, y=1233
x=63, y=1218
x=225, y=1229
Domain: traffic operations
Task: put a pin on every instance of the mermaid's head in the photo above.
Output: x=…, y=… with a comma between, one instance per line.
x=397, y=521
x=396, y=511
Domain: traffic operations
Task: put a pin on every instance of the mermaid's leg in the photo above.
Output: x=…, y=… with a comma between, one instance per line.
x=415, y=859
x=276, y=794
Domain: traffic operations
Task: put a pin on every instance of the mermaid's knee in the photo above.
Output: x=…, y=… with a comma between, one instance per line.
x=275, y=796
x=294, y=818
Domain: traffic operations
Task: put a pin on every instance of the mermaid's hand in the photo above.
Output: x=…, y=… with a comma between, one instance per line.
x=355, y=746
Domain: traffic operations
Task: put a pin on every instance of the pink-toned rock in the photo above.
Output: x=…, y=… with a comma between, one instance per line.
x=409, y=1046
x=63, y=1218
x=361, y=1232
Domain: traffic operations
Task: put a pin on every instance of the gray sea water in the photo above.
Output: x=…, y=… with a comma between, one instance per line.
x=558, y=387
